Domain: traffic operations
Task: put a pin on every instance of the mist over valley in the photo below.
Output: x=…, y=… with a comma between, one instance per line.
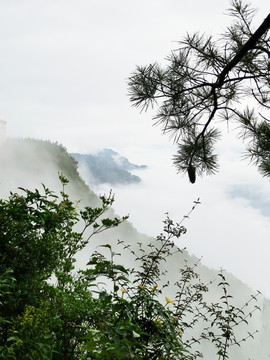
x=29, y=163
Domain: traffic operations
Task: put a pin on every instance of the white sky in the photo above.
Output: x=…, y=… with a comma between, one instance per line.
x=64, y=66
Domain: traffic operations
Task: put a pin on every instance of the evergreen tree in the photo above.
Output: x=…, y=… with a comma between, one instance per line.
x=207, y=79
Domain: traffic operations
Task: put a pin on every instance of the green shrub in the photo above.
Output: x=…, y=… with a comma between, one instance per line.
x=49, y=310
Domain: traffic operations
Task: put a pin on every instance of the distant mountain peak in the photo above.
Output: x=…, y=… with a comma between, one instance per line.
x=107, y=166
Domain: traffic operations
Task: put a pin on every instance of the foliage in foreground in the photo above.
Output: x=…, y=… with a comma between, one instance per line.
x=208, y=79
x=51, y=310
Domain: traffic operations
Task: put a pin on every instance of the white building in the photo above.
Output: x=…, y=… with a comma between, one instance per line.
x=2, y=131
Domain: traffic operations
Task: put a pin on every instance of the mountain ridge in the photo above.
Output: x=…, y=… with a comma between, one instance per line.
x=107, y=166
x=29, y=163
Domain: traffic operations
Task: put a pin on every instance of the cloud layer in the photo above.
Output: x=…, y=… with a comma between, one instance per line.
x=64, y=69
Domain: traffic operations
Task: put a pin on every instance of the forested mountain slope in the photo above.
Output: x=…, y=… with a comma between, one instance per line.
x=29, y=163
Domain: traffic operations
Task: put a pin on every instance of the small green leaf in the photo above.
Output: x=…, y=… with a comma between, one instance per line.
x=135, y=335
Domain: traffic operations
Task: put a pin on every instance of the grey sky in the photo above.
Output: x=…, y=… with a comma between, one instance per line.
x=64, y=65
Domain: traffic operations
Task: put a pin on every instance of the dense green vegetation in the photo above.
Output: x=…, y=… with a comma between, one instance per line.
x=49, y=309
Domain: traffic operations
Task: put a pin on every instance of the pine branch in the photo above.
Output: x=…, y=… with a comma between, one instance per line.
x=249, y=45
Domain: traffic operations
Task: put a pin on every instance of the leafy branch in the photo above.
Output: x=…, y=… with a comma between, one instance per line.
x=205, y=79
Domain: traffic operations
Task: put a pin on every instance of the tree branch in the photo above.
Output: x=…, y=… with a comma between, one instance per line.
x=250, y=44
